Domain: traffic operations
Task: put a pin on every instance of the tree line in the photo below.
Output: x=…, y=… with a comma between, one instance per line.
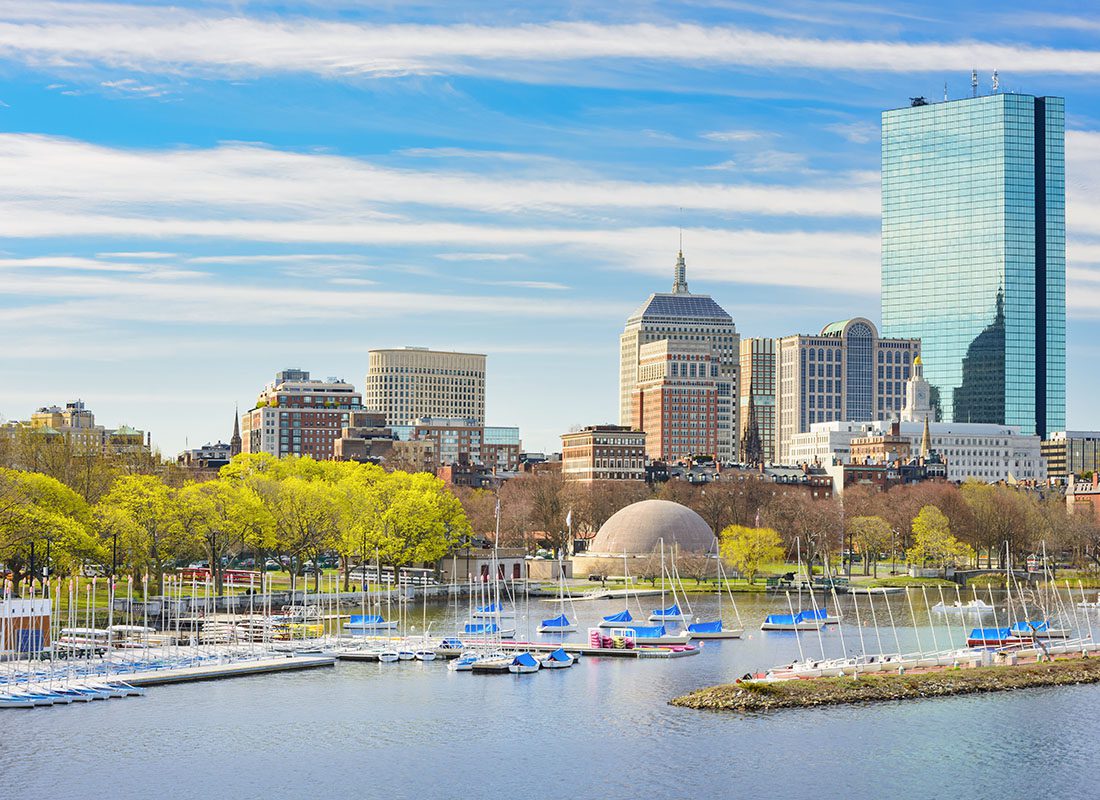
x=294, y=510
x=983, y=517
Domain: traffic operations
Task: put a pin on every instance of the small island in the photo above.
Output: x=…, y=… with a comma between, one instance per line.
x=755, y=695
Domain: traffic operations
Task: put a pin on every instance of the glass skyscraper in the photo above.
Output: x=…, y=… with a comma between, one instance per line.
x=974, y=255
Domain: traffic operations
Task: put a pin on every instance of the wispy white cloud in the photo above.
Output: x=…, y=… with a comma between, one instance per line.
x=216, y=302
x=151, y=254
x=548, y=285
x=480, y=256
x=175, y=41
x=732, y=136
x=857, y=132
x=45, y=175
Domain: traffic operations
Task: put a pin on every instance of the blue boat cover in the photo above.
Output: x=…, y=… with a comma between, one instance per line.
x=649, y=631
x=813, y=614
x=560, y=655
x=525, y=660
x=556, y=622
x=672, y=611
x=479, y=627
x=1034, y=625
x=366, y=619
x=706, y=627
x=990, y=633
x=492, y=608
x=622, y=616
x=782, y=619
x=452, y=643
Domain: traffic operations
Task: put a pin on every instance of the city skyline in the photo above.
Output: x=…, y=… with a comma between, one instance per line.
x=186, y=215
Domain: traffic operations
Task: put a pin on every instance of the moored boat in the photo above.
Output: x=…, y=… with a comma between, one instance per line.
x=559, y=624
x=488, y=629
x=712, y=630
x=975, y=606
x=559, y=659
x=1038, y=629
x=671, y=614
x=790, y=622
x=616, y=620
x=491, y=611
x=524, y=664
x=368, y=622
x=990, y=637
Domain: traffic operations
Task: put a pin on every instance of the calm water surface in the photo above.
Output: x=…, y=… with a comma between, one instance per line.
x=600, y=730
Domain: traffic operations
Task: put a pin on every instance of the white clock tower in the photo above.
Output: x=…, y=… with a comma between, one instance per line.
x=918, y=396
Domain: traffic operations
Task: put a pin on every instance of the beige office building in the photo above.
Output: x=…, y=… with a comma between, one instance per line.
x=758, y=435
x=416, y=383
x=845, y=373
x=681, y=317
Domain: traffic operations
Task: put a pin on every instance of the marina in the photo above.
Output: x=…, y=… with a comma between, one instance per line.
x=608, y=701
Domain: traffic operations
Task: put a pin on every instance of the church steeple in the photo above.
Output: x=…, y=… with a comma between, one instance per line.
x=235, y=439
x=679, y=275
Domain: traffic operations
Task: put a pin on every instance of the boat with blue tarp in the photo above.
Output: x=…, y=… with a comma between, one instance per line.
x=617, y=620
x=559, y=624
x=559, y=659
x=368, y=622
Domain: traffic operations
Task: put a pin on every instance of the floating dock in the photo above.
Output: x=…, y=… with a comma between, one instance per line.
x=233, y=669
x=582, y=649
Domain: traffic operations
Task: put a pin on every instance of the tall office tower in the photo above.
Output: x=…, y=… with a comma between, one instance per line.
x=973, y=253
x=846, y=373
x=681, y=317
x=297, y=416
x=676, y=400
x=418, y=383
x=757, y=401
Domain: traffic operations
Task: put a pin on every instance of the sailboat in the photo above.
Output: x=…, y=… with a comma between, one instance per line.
x=492, y=611
x=524, y=664
x=559, y=659
x=790, y=622
x=616, y=620
x=713, y=629
x=560, y=623
x=673, y=613
x=369, y=623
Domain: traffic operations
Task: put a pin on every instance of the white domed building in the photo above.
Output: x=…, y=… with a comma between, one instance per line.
x=637, y=531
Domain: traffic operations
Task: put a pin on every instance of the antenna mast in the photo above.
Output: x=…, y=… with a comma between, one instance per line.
x=996, y=82
x=973, y=83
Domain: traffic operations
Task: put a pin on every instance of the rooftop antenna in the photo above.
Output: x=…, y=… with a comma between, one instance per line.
x=996, y=82
x=973, y=83
x=681, y=229
x=945, y=91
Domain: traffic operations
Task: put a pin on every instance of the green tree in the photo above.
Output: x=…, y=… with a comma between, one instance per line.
x=154, y=519
x=39, y=515
x=748, y=549
x=933, y=542
x=872, y=535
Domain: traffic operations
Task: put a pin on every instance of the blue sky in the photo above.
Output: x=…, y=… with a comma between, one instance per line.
x=194, y=196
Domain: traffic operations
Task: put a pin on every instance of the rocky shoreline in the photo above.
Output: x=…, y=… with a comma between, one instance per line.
x=756, y=696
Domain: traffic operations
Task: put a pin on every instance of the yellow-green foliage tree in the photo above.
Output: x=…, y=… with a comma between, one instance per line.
x=40, y=515
x=933, y=542
x=748, y=549
x=151, y=515
x=872, y=535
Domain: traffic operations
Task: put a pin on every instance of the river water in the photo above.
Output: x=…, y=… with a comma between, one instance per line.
x=602, y=729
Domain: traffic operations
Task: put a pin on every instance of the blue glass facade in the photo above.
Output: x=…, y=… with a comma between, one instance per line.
x=973, y=253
